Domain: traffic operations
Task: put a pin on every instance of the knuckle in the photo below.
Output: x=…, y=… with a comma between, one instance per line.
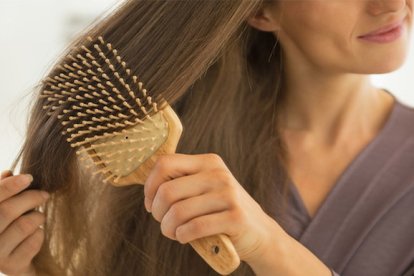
x=198, y=226
x=161, y=163
x=224, y=177
x=227, y=197
x=214, y=158
x=176, y=212
x=166, y=193
x=237, y=217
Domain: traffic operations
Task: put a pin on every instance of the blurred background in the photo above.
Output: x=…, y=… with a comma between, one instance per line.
x=33, y=33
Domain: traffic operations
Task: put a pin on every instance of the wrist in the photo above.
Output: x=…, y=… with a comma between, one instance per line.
x=286, y=256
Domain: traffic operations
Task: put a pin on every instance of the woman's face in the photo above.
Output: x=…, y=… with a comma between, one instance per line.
x=324, y=34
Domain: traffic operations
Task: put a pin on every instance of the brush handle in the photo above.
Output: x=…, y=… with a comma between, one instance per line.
x=217, y=251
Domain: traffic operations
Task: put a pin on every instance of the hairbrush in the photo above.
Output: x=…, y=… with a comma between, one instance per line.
x=108, y=116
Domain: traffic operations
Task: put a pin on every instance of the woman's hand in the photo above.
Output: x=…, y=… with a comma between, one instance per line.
x=20, y=235
x=195, y=196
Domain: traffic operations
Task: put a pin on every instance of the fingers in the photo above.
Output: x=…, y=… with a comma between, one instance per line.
x=20, y=235
x=23, y=255
x=208, y=225
x=12, y=185
x=175, y=190
x=172, y=166
x=15, y=206
x=18, y=231
x=191, y=208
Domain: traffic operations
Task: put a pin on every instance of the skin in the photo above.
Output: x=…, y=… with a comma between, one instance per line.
x=194, y=196
x=332, y=111
x=20, y=235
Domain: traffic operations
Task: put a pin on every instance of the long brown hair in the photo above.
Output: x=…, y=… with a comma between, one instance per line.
x=222, y=77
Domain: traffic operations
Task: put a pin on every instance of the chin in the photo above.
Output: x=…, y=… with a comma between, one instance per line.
x=390, y=66
x=384, y=65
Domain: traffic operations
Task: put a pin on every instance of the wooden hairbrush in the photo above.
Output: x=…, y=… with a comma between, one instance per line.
x=108, y=115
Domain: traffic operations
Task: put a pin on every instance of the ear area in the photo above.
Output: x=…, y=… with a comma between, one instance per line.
x=265, y=19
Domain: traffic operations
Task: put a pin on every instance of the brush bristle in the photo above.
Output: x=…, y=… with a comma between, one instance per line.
x=99, y=103
x=92, y=86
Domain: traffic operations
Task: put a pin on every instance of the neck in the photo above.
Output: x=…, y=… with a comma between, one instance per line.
x=330, y=108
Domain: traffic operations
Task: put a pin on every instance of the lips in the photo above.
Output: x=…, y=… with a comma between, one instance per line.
x=384, y=29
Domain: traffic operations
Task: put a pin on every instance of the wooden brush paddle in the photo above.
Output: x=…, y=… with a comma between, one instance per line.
x=106, y=113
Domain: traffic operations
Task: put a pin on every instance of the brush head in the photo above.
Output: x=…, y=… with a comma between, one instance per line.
x=104, y=110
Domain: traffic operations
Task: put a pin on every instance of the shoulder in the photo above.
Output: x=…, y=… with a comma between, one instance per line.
x=398, y=144
x=404, y=120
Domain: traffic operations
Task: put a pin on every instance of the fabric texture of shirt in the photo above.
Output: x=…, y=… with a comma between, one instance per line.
x=365, y=226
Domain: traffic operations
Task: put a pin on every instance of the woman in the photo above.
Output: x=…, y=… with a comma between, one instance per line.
x=287, y=148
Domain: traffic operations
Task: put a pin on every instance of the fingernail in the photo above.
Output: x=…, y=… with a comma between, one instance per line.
x=45, y=195
x=29, y=177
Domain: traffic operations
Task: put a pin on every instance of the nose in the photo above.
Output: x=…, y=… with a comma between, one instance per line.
x=377, y=7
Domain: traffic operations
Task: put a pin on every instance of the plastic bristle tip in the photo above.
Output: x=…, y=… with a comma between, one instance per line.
x=133, y=112
x=82, y=73
x=69, y=67
x=117, y=107
x=87, y=64
x=72, y=58
x=64, y=76
x=79, y=56
x=89, y=71
x=85, y=49
x=76, y=65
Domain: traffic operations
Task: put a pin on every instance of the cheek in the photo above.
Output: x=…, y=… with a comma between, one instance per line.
x=322, y=44
x=319, y=32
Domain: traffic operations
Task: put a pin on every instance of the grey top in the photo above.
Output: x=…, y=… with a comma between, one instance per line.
x=365, y=226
